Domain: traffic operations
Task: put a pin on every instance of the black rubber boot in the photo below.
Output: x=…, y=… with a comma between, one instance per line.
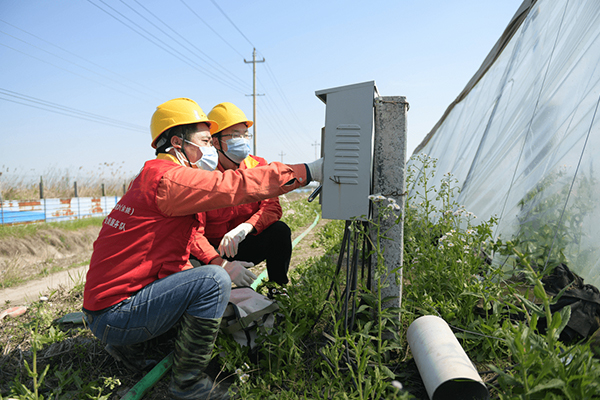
x=193, y=350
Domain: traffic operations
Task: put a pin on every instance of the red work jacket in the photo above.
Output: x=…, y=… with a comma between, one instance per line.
x=260, y=214
x=147, y=235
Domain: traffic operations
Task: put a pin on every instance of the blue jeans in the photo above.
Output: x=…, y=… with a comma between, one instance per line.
x=201, y=292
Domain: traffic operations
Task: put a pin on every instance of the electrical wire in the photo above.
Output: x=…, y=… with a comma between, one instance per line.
x=281, y=93
x=210, y=27
x=234, y=25
x=68, y=111
x=81, y=58
x=279, y=127
x=163, y=45
x=349, y=250
x=284, y=130
x=220, y=70
x=276, y=115
x=68, y=70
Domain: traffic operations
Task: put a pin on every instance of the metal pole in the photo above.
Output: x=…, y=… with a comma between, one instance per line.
x=253, y=62
x=389, y=159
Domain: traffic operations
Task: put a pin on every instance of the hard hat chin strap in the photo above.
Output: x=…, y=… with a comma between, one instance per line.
x=220, y=150
x=183, y=152
x=226, y=156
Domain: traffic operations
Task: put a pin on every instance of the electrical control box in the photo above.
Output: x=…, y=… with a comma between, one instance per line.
x=347, y=148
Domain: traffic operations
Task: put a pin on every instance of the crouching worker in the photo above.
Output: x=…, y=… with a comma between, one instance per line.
x=248, y=233
x=140, y=283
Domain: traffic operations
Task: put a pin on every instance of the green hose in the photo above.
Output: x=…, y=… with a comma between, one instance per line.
x=150, y=379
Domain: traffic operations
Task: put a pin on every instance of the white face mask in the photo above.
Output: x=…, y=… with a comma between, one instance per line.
x=208, y=161
x=237, y=149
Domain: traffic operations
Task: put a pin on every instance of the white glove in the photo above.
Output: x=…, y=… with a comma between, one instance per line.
x=316, y=169
x=229, y=244
x=238, y=273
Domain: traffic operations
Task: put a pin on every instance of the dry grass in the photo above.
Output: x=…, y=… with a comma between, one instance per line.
x=60, y=183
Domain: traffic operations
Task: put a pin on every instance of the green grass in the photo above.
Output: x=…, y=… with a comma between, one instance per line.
x=310, y=355
x=25, y=230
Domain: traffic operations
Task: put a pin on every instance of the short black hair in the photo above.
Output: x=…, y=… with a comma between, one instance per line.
x=185, y=132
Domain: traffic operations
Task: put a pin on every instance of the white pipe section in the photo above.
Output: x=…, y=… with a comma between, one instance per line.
x=443, y=365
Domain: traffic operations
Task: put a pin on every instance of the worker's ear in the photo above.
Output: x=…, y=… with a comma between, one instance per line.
x=176, y=142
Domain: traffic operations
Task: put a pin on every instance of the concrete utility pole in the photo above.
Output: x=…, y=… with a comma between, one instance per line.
x=253, y=62
x=389, y=157
x=316, y=146
x=281, y=154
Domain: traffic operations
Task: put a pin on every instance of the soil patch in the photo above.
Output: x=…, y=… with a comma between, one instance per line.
x=48, y=251
x=55, y=248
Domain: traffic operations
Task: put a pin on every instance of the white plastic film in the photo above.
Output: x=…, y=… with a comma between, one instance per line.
x=524, y=139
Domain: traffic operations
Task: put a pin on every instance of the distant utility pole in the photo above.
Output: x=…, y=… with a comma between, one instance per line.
x=316, y=146
x=281, y=154
x=253, y=62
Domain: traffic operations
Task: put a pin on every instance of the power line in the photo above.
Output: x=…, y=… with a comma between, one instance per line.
x=234, y=25
x=210, y=27
x=70, y=62
x=65, y=69
x=283, y=96
x=164, y=46
x=81, y=58
x=221, y=68
x=275, y=113
x=281, y=133
x=68, y=111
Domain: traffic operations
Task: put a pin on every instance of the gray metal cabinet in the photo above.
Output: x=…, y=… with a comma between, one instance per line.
x=347, y=148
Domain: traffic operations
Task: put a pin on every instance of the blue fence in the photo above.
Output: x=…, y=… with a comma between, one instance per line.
x=53, y=210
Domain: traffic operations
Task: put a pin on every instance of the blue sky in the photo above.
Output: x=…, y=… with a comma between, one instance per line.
x=81, y=79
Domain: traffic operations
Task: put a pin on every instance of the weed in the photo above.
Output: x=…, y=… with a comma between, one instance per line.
x=315, y=351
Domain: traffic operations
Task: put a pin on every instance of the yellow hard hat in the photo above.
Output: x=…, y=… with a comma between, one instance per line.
x=175, y=112
x=226, y=115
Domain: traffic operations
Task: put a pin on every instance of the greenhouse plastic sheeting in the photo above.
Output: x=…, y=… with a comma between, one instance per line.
x=524, y=140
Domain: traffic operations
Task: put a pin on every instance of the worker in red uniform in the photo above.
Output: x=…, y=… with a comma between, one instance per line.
x=140, y=283
x=247, y=233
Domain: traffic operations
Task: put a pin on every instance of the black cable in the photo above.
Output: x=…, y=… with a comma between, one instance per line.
x=335, y=275
x=354, y=279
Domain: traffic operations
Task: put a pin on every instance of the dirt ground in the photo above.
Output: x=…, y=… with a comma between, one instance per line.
x=55, y=257
x=54, y=249
x=79, y=251
x=50, y=258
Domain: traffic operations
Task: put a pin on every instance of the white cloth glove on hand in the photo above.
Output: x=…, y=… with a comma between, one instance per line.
x=316, y=170
x=229, y=244
x=238, y=273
